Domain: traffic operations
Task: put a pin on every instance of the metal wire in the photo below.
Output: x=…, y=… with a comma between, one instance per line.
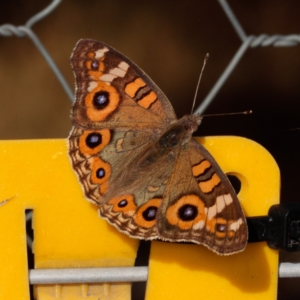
x=252, y=41
x=21, y=31
x=234, y=21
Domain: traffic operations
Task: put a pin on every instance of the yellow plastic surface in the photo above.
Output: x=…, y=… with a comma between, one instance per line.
x=178, y=271
x=68, y=232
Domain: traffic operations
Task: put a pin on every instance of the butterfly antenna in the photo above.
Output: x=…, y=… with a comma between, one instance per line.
x=199, y=80
x=246, y=112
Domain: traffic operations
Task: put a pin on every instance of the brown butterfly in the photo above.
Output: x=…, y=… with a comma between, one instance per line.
x=140, y=164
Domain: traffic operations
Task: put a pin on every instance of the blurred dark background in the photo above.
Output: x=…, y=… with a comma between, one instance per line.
x=168, y=40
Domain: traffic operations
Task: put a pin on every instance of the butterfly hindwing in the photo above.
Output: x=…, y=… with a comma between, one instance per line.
x=138, y=194
x=200, y=204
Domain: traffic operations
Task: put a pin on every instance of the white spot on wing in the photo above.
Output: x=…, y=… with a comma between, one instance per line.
x=212, y=211
x=199, y=225
x=236, y=225
x=222, y=201
x=228, y=199
x=108, y=77
x=123, y=65
x=118, y=72
x=99, y=53
x=92, y=85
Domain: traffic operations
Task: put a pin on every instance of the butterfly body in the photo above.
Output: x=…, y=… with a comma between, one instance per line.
x=140, y=164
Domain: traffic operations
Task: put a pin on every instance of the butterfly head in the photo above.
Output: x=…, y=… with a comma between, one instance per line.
x=180, y=132
x=191, y=122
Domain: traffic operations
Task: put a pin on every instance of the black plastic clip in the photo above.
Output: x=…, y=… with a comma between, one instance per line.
x=280, y=229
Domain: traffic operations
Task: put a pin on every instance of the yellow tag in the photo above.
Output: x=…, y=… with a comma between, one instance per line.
x=68, y=232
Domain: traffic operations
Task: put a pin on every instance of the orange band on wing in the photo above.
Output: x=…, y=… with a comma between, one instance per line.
x=147, y=100
x=132, y=87
x=201, y=167
x=209, y=185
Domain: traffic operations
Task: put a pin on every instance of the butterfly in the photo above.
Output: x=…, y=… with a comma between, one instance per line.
x=139, y=164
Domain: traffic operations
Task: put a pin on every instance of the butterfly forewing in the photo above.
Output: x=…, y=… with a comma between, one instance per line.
x=112, y=92
x=118, y=110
